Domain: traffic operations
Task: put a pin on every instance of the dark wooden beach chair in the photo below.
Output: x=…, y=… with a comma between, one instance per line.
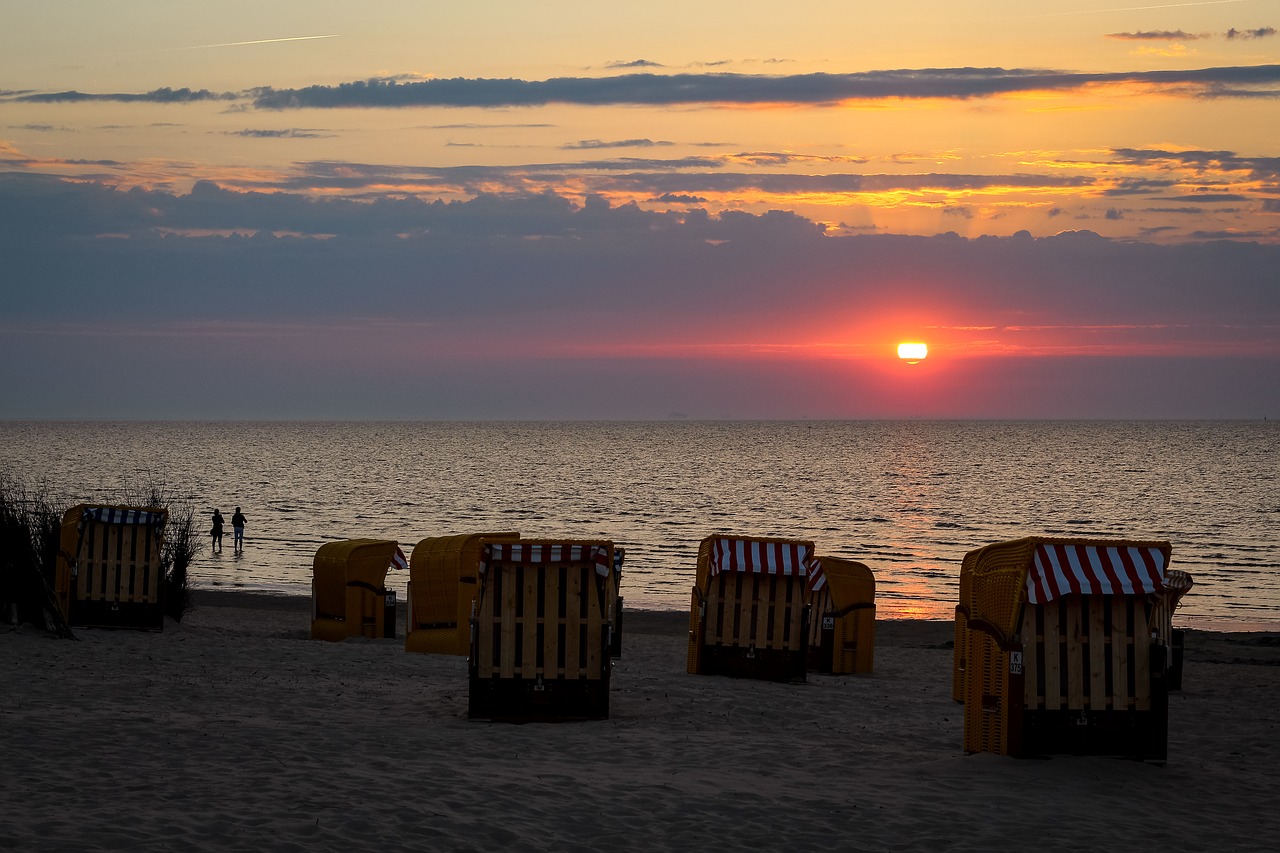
x=749, y=615
x=110, y=567
x=442, y=588
x=1064, y=646
x=540, y=635
x=842, y=623
x=349, y=597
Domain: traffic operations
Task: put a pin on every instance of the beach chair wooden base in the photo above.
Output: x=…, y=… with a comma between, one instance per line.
x=750, y=662
x=1142, y=735
x=118, y=614
x=521, y=700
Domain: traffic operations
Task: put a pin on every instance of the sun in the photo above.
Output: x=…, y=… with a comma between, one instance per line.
x=912, y=353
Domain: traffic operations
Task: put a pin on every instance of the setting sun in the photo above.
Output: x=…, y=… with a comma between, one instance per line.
x=912, y=352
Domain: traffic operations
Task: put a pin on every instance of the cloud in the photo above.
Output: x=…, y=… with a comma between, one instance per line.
x=418, y=260
x=635, y=63
x=1259, y=33
x=1232, y=34
x=1208, y=197
x=1158, y=35
x=1255, y=81
x=813, y=89
x=1258, y=168
x=163, y=95
x=289, y=133
x=677, y=198
x=593, y=144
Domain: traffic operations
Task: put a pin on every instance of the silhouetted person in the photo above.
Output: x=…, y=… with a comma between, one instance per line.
x=237, y=526
x=216, y=532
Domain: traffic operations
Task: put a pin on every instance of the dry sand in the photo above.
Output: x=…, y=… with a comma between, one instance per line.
x=234, y=731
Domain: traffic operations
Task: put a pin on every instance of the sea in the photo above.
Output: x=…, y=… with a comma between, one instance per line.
x=907, y=498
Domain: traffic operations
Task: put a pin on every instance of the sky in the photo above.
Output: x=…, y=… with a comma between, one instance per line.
x=639, y=210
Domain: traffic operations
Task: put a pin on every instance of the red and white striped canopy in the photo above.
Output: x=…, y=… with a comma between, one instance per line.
x=121, y=515
x=1064, y=569
x=774, y=558
x=527, y=552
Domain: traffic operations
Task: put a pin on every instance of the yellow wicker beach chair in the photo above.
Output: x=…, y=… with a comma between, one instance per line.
x=110, y=569
x=348, y=589
x=442, y=586
x=842, y=629
x=540, y=635
x=1062, y=646
x=749, y=616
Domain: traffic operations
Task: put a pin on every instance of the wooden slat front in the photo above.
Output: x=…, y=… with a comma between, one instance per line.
x=779, y=637
x=510, y=596
x=761, y=610
x=550, y=622
x=574, y=603
x=1033, y=652
x=529, y=616
x=1141, y=656
x=1121, y=646
x=595, y=627
x=729, y=588
x=1052, y=656
x=1075, y=657
x=118, y=562
x=1106, y=646
x=767, y=586
x=554, y=601
x=1099, y=692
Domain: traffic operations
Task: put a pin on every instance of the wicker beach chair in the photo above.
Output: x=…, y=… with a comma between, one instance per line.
x=541, y=630
x=349, y=597
x=110, y=570
x=842, y=618
x=1062, y=646
x=749, y=615
x=442, y=587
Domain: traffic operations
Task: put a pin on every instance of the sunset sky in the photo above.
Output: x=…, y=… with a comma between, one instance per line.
x=569, y=210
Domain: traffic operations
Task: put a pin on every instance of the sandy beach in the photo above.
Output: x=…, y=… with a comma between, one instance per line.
x=234, y=731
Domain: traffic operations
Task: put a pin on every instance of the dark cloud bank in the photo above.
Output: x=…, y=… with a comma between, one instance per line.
x=707, y=88
x=411, y=307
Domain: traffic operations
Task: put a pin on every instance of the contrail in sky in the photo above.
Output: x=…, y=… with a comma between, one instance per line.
x=257, y=41
x=1138, y=8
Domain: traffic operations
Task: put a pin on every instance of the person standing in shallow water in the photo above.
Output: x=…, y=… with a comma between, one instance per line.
x=237, y=526
x=216, y=532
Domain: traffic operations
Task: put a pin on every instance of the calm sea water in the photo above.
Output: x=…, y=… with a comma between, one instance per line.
x=909, y=499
